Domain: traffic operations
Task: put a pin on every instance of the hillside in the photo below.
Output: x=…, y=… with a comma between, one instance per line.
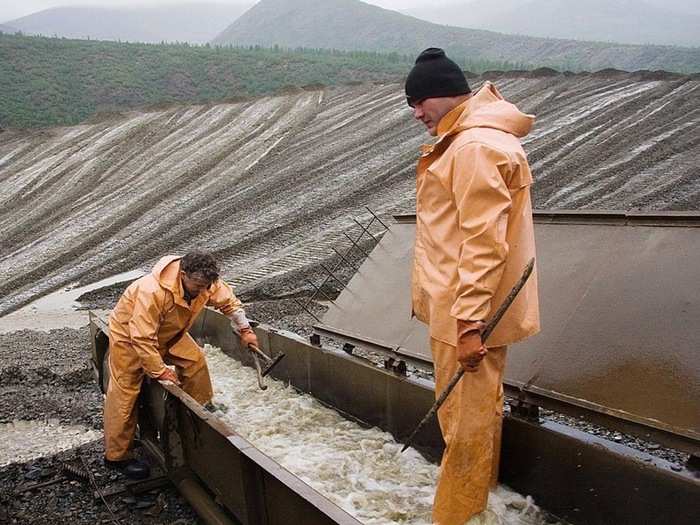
x=46, y=81
x=196, y=23
x=351, y=24
x=7, y=29
x=625, y=21
x=270, y=184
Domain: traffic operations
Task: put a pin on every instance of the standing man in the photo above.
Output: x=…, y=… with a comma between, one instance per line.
x=147, y=329
x=474, y=237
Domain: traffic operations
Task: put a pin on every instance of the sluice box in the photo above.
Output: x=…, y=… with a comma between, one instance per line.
x=619, y=347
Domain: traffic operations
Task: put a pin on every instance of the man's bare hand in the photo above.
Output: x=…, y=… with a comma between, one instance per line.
x=470, y=349
x=169, y=375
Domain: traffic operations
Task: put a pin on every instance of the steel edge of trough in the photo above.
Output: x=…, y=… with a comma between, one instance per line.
x=207, y=460
x=608, y=217
x=579, y=477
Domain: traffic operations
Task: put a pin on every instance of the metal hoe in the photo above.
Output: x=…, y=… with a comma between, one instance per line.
x=271, y=363
x=484, y=336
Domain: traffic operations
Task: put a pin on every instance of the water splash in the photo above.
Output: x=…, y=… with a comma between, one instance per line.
x=360, y=469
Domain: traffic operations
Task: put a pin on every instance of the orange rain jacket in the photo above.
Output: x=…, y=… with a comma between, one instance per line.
x=474, y=232
x=153, y=315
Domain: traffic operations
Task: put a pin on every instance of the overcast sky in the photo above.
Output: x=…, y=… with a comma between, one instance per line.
x=10, y=9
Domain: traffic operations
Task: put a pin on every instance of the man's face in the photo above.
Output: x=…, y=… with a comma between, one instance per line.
x=194, y=283
x=431, y=110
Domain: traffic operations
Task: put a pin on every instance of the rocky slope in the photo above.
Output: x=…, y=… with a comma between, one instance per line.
x=271, y=184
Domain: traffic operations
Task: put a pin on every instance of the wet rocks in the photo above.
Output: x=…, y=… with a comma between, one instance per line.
x=74, y=501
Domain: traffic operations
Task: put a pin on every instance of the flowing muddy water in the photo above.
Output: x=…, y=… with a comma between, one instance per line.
x=361, y=470
x=59, y=309
x=26, y=440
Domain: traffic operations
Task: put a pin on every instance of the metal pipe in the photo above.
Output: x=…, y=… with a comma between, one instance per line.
x=202, y=502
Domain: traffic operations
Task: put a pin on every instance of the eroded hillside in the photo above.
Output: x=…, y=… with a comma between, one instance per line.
x=271, y=184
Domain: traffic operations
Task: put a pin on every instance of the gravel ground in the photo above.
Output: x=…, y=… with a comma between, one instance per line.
x=46, y=377
x=73, y=501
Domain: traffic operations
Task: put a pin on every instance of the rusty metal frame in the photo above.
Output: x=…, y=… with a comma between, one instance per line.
x=577, y=476
x=225, y=478
x=659, y=218
x=583, y=478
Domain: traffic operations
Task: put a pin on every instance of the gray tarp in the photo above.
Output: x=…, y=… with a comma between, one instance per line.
x=620, y=308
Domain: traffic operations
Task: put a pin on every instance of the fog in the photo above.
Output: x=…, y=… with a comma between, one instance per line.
x=10, y=10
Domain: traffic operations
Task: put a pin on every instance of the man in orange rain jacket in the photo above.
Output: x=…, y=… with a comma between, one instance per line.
x=147, y=329
x=474, y=237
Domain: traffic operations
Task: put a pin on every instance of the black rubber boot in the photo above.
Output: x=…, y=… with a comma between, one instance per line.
x=131, y=468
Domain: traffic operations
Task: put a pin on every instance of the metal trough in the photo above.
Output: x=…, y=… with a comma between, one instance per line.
x=578, y=477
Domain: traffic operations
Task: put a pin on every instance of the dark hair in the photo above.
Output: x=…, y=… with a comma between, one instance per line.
x=201, y=263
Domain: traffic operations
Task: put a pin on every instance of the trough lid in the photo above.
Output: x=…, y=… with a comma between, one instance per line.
x=619, y=304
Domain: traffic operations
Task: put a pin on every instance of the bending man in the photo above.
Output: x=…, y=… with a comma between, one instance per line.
x=474, y=236
x=149, y=328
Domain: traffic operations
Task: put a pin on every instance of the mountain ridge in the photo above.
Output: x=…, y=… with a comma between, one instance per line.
x=186, y=22
x=352, y=24
x=623, y=21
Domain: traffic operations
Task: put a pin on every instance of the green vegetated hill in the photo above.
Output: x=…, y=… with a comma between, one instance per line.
x=351, y=24
x=195, y=23
x=56, y=81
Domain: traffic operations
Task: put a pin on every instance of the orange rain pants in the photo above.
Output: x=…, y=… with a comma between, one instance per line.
x=126, y=375
x=471, y=420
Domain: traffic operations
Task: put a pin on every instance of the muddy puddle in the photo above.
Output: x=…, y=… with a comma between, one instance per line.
x=359, y=469
x=59, y=309
x=26, y=440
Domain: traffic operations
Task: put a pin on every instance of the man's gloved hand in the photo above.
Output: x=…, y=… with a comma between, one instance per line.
x=248, y=337
x=169, y=375
x=470, y=349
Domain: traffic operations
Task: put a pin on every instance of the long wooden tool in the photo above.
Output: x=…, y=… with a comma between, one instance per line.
x=484, y=336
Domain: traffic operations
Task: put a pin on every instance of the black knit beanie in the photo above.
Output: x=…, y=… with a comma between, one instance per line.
x=434, y=75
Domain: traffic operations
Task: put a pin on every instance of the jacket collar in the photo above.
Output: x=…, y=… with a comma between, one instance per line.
x=452, y=122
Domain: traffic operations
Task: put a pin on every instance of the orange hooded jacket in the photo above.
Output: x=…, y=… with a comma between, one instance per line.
x=474, y=231
x=153, y=314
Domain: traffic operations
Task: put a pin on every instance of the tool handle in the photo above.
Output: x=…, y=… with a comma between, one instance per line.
x=259, y=352
x=484, y=336
x=262, y=385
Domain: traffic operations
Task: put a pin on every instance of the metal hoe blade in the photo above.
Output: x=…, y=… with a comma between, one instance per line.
x=271, y=363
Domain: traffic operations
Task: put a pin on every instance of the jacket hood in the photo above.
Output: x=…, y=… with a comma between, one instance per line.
x=486, y=109
x=167, y=273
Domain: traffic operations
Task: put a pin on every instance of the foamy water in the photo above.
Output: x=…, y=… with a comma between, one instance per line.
x=361, y=470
